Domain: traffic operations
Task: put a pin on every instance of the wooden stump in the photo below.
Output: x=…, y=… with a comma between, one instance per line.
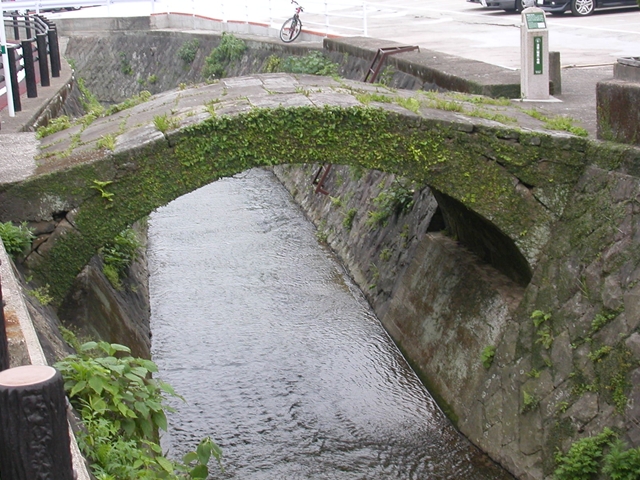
x=4, y=346
x=34, y=432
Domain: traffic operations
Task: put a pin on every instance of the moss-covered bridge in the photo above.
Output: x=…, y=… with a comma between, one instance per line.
x=101, y=174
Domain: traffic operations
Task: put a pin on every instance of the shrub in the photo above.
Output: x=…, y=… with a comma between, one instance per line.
x=229, y=50
x=15, y=239
x=582, y=461
x=188, y=50
x=622, y=463
x=314, y=64
x=118, y=255
x=122, y=409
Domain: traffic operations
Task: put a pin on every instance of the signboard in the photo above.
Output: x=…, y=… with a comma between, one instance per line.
x=3, y=49
x=535, y=21
x=537, y=56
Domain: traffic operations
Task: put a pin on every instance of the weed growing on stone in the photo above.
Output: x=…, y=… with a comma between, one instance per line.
x=529, y=402
x=347, y=222
x=55, y=125
x=583, y=460
x=165, y=123
x=557, y=123
x=230, y=50
x=487, y=355
x=106, y=141
x=543, y=329
x=187, y=52
x=385, y=254
x=315, y=63
x=16, y=239
x=118, y=255
x=395, y=200
x=41, y=294
x=272, y=65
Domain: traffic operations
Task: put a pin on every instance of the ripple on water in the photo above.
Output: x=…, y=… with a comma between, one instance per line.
x=278, y=356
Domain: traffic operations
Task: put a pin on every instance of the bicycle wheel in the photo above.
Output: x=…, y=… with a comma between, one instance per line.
x=290, y=30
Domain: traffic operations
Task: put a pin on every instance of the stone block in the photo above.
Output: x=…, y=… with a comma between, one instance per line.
x=618, y=111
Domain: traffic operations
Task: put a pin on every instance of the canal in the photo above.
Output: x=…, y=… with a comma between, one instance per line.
x=277, y=354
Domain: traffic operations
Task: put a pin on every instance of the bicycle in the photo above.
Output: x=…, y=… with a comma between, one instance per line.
x=292, y=27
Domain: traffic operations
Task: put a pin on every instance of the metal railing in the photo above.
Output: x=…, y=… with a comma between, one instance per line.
x=32, y=45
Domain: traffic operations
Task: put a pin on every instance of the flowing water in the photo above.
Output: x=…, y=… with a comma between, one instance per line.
x=278, y=355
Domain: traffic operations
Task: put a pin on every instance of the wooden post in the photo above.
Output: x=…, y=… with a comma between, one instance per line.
x=4, y=346
x=34, y=432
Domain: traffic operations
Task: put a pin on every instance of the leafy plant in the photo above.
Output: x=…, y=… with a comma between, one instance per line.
x=107, y=141
x=152, y=79
x=545, y=336
x=229, y=50
x=16, y=239
x=42, y=295
x=188, y=50
x=582, y=461
x=142, y=97
x=385, y=254
x=118, y=255
x=315, y=63
x=125, y=65
x=165, y=123
x=272, y=64
x=487, y=355
x=53, y=126
x=394, y=201
x=347, y=221
x=122, y=409
x=622, y=463
x=101, y=187
x=529, y=401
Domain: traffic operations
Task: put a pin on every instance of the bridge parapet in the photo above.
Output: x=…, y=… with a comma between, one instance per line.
x=101, y=176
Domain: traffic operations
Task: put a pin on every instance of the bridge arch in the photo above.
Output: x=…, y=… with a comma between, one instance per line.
x=516, y=180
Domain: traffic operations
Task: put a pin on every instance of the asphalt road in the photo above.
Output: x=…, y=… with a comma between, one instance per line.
x=456, y=27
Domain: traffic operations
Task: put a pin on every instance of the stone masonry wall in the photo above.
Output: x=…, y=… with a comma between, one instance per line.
x=569, y=377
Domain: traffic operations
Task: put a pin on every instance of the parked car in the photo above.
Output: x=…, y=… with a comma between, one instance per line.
x=583, y=7
x=558, y=7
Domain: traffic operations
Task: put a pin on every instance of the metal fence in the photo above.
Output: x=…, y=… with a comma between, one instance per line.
x=33, y=56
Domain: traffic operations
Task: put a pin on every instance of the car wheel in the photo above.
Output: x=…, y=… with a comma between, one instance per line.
x=519, y=5
x=582, y=8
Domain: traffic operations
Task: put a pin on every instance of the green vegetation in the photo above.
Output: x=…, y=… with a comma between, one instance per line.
x=188, y=50
x=272, y=64
x=385, y=254
x=16, y=239
x=395, y=200
x=122, y=408
x=529, y=401
x=53, y=126
x=347, y=222
x=543, y=329
x=230, y=50
x=584, y=458
x=487, y=355
x=165, y=123
x=125, y=65
x=118, y=255
x=42, y=295
x=101, y=187
x=107, y=142
x=557, y=123
x=315, y=63
x=129, y=103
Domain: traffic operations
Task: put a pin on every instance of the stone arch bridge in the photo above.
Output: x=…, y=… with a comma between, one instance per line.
x=490, y=162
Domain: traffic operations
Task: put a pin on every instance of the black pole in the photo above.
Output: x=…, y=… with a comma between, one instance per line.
x=34, y=432
x=4, y=345
x=54, y=52
x=16, y=29
x=27, y=25
x=41, y=42
x=13, y=75
x=29, y=69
